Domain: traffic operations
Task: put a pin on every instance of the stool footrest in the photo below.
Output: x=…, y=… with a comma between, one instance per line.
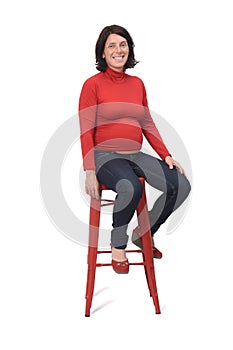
x=130, y=263
x=137, y=263
x=127, y=251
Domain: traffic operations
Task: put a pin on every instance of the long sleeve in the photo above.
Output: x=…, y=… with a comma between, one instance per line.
x=151, y=132
x=87, y=121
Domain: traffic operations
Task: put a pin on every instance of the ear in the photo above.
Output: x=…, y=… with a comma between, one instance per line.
x=103, y=56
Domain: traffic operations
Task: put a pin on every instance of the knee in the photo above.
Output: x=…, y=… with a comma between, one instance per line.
x=183, y=188
x=180, y=188
x=187, y=187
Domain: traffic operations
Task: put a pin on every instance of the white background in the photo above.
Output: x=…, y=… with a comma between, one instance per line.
x=185, y=54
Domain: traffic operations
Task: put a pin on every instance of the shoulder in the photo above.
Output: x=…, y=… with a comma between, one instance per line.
x=93, y=79
x=136, y=80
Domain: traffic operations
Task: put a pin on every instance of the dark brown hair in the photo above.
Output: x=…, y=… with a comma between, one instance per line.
x=101, y=64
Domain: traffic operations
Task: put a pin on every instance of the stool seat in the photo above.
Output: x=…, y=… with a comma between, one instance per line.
x=147, y=255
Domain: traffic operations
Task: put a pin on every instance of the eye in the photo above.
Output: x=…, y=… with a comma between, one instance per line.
x=123, y=44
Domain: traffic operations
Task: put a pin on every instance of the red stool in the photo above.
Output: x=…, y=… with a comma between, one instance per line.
x=148, y=262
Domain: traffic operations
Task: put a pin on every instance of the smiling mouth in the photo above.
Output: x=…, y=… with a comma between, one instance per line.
x=119, y=58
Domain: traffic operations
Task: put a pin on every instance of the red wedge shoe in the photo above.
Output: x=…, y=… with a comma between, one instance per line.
x=136, y=239
x=121, y=267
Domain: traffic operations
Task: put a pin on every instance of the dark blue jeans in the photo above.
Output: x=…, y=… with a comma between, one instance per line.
x=120, y=173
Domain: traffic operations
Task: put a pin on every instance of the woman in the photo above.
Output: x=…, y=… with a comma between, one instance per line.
x=114, y=117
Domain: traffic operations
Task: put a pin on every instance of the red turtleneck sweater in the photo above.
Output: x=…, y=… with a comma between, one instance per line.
x=114, y=116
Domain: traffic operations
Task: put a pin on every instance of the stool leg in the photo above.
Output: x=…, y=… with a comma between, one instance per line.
x=150, y=271
x=143, y=220
x=94, y=221
x=145, y=269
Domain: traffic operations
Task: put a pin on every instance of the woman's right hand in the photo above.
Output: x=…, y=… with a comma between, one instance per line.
x=92, y=184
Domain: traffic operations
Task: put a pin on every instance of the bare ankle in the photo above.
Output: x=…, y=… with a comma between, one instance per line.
x=118, y=254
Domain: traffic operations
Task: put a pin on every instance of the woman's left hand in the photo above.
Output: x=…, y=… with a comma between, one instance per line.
x=172, y=162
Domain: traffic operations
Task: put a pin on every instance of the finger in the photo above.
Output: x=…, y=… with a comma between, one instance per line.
x=170, y=164
x=90, y=192
x=87, y=191
x=95, y=193
x=181, y=170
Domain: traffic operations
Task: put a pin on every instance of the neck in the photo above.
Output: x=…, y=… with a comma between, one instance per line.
x=117, y=77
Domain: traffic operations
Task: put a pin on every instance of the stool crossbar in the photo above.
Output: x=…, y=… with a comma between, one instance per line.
x=147, y=255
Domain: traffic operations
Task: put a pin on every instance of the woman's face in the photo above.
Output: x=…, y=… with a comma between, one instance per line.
x=116, y=52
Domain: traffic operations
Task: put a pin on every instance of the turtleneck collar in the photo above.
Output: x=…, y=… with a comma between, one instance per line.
x=117, y=77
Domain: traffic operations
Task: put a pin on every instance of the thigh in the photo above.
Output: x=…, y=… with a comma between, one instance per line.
x=156, y=172
x=112, y=169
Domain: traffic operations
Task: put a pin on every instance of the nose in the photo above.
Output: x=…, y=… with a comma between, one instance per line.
x=118, y=48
